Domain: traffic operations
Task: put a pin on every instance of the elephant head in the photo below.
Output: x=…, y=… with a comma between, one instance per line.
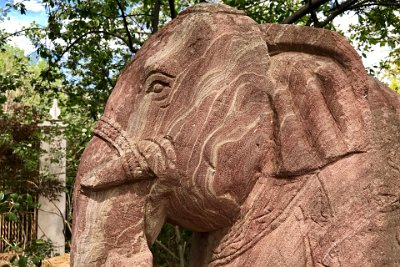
x=244, y=133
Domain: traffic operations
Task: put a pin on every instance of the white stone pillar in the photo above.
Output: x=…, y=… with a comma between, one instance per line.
x=51, y=213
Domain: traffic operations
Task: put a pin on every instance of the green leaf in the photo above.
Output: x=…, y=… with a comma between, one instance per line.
x=23, y=261
x=11, y=216
x=36, y=260
x=22, y=9
x=29, y=199
x=17, y=206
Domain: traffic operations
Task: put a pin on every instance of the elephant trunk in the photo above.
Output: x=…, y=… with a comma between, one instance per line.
x=109, y=224
x=109, y=227
x=114, y=180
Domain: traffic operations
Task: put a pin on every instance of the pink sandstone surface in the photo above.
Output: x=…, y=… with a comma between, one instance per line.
x=269, y=141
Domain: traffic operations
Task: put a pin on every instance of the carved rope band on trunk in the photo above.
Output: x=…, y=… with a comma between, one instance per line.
x=133, y=162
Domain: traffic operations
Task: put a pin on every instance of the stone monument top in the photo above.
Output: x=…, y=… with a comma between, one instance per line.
x=55, y=110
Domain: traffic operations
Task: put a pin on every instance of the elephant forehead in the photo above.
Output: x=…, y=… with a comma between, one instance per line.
x=171, y=45
x=232, y=74
x=210, y=80
x=177, y=51
x=190, y=35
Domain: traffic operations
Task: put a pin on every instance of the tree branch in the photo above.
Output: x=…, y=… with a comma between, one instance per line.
x=301, y=12
x=166, y=249
x=172, y=8
x=106, y=75
x=366, y=4
x=339, y=10
x=315, y=20
x=181, y=250
x=155, y=16
x=314, y=16
x=128, y=33
x=88, y=33
x=19, y=32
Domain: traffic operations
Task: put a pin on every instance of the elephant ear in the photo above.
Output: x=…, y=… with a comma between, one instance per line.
x=319, y=98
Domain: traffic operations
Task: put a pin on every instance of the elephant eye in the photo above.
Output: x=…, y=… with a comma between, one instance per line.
x=158, y=85
x=157, y=81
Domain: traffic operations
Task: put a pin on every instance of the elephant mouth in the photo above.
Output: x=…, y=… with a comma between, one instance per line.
x=131, y=162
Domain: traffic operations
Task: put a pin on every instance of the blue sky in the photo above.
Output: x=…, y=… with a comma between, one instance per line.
x=35, y=11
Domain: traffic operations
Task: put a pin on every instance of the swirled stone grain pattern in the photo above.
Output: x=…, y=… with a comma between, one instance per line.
x=269, y=141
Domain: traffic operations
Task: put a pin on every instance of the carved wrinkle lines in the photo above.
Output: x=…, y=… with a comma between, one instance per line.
x=229, y=113
x=212, y=162
x=225, y=256
x=325, y=191
x=219, y=91
x=166, y=117
x=199, y=134
x=287, y=115
x=175, y=89
x=293, y=74
x=183, y=198
x=95, y=214
x=344, y=106
x=199, y=96
x=234, y=136
x=206, y=81
x=351, y=231
x=308, y=253
x=221, y=125
x=247, y=47
x=236, y=236
x=293, y=202
x=198, y=212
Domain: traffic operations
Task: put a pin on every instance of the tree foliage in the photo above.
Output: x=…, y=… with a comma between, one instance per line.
x=20, y=180
x=19, y=133
x=22, y=111
x=87, y=43
x=91, y=41
x=378, y=20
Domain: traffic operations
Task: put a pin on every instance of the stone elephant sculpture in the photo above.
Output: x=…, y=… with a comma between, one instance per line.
x=269, y=141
